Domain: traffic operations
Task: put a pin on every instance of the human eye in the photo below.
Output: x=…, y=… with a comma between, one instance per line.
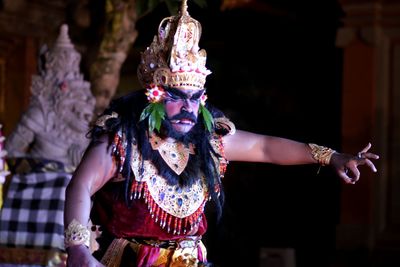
x=172, y=97
x=195, y=100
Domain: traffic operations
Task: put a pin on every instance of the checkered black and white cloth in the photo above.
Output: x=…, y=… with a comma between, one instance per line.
x=33, y=210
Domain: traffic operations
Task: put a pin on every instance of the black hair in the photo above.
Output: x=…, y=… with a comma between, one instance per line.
x=129, y=108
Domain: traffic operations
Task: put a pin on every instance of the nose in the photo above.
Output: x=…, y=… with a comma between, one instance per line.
x=187, y=106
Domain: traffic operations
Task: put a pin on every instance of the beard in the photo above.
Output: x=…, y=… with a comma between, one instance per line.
x=190, y=137
x=198, y=136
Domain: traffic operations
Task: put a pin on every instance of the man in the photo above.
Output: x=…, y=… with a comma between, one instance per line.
x=157, y=158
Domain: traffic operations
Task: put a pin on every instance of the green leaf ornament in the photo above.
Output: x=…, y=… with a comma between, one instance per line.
x=156, y=114
x=208, y=119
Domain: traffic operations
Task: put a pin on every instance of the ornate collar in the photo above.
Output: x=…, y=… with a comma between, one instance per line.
x=174, y=153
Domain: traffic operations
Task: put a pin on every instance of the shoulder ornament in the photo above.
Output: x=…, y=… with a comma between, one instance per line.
x=225, y=124
x=101, y=121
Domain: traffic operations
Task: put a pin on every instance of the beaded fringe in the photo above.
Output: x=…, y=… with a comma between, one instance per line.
x=166, y=221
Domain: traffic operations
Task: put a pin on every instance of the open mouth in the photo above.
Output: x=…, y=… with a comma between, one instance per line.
x=183, y=121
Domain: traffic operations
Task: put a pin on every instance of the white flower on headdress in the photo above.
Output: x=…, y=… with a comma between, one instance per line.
x=155, y=94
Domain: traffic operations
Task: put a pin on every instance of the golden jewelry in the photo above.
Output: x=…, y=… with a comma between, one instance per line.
x=321, y=154
x=174, y=58
x=225, y=123
x=101, y=121
x=76, y=234
x=174, y=153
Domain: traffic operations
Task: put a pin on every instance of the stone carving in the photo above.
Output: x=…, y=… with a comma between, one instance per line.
x=60, y=110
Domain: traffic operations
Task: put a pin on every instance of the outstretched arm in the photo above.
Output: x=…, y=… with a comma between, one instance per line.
x=247, y=146
x=95, y=169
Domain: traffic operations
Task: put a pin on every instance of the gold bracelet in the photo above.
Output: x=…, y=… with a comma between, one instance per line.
x=76, y=234
x=321, y=154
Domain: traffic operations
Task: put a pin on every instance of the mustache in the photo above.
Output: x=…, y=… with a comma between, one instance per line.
x=184, y=115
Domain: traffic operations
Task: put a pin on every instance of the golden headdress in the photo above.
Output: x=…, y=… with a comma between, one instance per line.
x=174, y=59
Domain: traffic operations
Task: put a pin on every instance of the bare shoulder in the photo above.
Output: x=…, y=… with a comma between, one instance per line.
x=97, y=165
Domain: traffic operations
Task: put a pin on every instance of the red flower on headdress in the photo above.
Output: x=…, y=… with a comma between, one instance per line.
x=155, y=94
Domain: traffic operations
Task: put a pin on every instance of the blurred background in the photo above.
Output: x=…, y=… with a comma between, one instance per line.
x=325, y=72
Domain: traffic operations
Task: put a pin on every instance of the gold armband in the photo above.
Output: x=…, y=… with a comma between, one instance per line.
x=225, y=123
x=76, y=234
x=321, y=154
x=101, y=121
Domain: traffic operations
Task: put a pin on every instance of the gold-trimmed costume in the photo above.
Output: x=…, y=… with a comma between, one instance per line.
x=161, y=216
x=176, y=208
x=174, y=153
x=176, y=211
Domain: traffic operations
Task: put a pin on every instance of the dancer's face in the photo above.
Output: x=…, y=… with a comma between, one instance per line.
x=182, y=108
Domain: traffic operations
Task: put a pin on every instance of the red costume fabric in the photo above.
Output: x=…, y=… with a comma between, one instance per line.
x=136, y=221
x=137, y=225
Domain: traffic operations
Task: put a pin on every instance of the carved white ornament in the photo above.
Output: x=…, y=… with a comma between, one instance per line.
x=61, y=107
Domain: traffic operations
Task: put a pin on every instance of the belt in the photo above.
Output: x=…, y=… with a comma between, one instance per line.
x=186, y=242
x=170, y=250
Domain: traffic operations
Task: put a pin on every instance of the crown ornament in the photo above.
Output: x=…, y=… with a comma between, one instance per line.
x=174, y=59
